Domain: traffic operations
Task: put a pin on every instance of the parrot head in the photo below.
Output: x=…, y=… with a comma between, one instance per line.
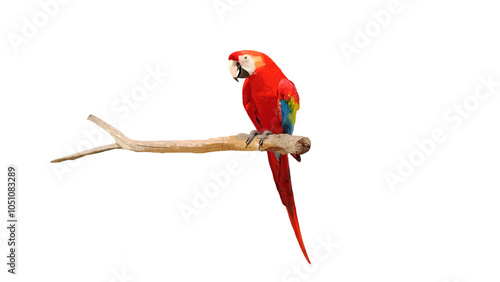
x=243, y=64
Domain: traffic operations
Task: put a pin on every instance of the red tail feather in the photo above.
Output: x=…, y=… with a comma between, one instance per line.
x=281, y=173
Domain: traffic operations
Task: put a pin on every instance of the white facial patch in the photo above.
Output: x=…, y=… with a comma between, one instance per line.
x=247, y=62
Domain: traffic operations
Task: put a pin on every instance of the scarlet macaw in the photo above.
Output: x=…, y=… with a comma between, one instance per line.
x=271, y=102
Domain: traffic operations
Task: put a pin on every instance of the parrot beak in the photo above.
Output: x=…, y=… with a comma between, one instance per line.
x=237, y=71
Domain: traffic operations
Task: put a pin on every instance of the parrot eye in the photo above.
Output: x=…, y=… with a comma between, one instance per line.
x=245, y=57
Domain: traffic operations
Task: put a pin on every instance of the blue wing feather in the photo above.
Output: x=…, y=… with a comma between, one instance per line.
x=289, y=104
x=287, y=122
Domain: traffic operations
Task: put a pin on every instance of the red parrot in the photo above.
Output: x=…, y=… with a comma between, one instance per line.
x=271, y=102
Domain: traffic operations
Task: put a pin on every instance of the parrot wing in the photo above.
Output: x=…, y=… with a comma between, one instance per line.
x=288, y=100
x=288, y=104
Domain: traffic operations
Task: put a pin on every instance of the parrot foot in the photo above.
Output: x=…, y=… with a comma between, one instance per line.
x=264, y=136
x=251, y=136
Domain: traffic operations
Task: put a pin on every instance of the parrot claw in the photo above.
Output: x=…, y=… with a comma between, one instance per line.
x=264, y=136
x=251, y=136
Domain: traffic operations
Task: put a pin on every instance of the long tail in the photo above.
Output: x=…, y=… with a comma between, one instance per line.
x=281, y=173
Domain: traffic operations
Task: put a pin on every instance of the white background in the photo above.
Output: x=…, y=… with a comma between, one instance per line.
x=116, y=216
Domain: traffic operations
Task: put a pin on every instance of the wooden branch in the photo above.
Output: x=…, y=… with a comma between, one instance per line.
x=281, y=143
